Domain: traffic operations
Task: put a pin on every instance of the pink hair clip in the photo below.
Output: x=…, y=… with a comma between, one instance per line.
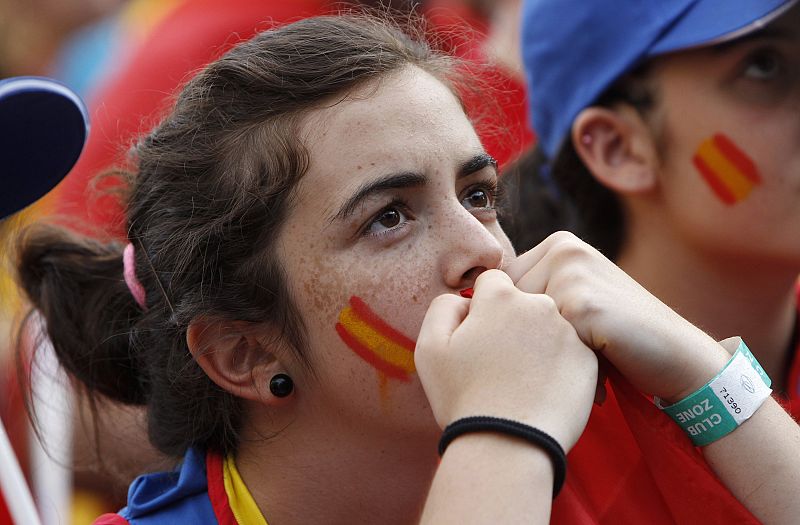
x=129, y=271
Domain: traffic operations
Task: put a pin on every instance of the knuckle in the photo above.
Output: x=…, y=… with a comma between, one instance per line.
x=545, y=302
x=573, y=249
x=494, y=284
x=542, y=304
x=568, y=246
x=563, y=236
x=444, y=300
x=581, y=306
x=488, y=275
x=504, y=294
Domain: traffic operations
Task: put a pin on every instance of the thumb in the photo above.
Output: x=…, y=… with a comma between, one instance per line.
x=444, y=315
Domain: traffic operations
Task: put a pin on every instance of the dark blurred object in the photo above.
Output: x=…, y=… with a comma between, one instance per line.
x=43, y=127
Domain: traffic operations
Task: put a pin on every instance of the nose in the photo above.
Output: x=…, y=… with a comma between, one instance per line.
x=468, y=249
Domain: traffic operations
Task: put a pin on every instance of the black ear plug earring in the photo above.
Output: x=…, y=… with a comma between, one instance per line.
x=281, y=385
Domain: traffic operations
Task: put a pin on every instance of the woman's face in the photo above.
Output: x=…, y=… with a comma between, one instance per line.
x=731, y=126
x=397, y=207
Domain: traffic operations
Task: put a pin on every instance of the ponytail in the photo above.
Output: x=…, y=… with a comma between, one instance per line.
x=77, y=286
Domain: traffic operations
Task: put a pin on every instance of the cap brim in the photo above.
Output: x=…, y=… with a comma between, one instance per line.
x=43, y=128
x=713, y=22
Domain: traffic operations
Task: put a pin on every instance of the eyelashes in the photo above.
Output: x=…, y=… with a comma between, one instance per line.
x=394, y=217
x=763, y=64
x=390, y=218
x=494, y=192
x=766, y=75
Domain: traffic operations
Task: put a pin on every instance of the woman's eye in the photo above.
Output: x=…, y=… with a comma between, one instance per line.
x=763, y=65
x=478, y=198
x=388, y=219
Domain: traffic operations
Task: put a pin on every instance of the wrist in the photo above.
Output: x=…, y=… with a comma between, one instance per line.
x=539, y=415
x=501, y=449
x=725, y=402
x=704, y=358
x=511, y=430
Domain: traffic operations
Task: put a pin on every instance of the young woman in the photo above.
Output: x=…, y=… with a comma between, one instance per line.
x=669, y=137
x=314, y=195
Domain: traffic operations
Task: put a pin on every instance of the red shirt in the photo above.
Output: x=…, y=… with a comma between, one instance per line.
x=792, y=400
x=633, y=464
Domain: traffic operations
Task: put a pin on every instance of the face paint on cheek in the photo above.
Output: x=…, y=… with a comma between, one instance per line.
x=727, y=169
x=390, y=352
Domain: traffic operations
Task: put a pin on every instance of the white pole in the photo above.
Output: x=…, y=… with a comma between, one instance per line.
x=52, y=456
x=15, y=490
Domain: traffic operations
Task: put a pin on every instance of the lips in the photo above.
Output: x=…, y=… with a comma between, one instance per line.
x=466, y=292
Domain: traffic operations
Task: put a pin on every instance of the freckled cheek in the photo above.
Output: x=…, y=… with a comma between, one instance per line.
x=322, y=292
x=399, y=295
x=398, y=291
x=405, y=304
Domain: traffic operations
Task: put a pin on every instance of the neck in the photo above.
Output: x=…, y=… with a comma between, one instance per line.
x=347, y=476
x=724, y=294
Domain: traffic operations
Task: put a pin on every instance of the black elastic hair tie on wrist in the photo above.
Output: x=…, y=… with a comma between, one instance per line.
x=535, y=436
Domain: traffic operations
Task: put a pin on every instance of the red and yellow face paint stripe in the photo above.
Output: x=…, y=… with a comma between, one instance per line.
x=375, y=341
x=726, y=168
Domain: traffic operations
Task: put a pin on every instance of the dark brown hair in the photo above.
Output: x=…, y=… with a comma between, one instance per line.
x=210, y=189
x=561, y=194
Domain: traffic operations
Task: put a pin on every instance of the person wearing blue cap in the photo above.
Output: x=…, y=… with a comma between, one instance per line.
x=669, y=136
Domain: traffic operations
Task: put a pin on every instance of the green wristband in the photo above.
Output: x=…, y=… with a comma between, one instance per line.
x=725, y=402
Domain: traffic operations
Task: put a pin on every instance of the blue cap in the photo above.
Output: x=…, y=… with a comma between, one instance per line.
x=43, y=127
x=573, y=50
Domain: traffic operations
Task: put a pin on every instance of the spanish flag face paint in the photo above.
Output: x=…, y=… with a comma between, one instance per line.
x=375, y=341
x=729, y=172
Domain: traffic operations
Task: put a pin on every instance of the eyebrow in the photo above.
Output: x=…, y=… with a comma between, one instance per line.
x=476, y=163
x=407, y=179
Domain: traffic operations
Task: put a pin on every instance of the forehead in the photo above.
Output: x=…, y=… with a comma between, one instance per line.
x=395, y=111
x=407, y=120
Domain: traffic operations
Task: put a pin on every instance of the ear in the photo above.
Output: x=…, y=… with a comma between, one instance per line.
x=233, y=354
x=618, y=148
